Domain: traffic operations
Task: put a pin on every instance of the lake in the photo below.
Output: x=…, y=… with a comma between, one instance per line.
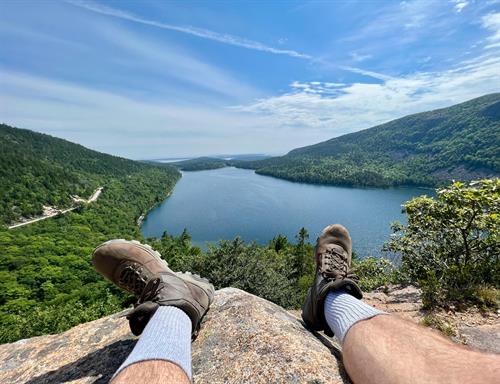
x=229, y=202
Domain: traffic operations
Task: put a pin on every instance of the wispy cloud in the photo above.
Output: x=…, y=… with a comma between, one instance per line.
x=359, y=57
x=362, y=105
x=193, y=31
x=114, y=123
x=407, y=15
x=375, y=75
x=317, y=87
x=491, y=21
x=27, y=34
x=460, y=4
x=167, y=61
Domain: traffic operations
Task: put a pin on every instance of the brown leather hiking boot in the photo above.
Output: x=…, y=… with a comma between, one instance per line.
x=191, y=293
x=128, y=264
x=140, y=270
x=333, y=272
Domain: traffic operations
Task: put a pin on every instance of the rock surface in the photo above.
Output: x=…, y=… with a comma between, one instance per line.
x=244, y=339
x=472, y=328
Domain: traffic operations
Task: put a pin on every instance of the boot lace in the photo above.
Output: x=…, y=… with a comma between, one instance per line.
x=132, y=276
x=335, y=265
x=150, y=291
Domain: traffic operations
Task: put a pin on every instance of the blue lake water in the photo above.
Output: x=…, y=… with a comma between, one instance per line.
x=229, y=202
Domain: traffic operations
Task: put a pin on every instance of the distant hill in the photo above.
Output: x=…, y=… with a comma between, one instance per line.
x=39, y=169
x=460, y=142
x=207, y=162
x=249, y=157
x=200, y=164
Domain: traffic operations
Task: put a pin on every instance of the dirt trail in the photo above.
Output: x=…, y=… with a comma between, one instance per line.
x=51, y=212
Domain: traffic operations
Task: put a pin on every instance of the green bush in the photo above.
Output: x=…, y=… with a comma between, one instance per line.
x=451, y=244
x=280, y=272
x=376, y=272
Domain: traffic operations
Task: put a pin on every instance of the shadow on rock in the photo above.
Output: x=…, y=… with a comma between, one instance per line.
x=99, y=365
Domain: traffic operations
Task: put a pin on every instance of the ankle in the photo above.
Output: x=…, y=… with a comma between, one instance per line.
x=342, y=311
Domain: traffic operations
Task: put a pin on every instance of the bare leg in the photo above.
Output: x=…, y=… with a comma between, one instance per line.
x=390, y=350
x=163, y=352
x=152, y=372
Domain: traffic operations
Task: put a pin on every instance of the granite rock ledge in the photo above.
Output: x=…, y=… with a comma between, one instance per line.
x=244, y=339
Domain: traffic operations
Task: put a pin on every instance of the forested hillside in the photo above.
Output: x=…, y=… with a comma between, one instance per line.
x=47, y=282
x=39, y=170
x=459, y=142
x=200, y=164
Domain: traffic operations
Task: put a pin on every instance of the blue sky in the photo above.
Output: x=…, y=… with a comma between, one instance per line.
x=154, y=79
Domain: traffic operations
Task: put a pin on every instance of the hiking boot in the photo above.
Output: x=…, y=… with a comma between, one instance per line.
x=128, y=264
x=141, y=271
x=190, y=293
x=333, y=272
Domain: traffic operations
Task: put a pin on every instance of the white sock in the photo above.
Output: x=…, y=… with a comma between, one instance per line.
x=166, y=337
x=343, y=310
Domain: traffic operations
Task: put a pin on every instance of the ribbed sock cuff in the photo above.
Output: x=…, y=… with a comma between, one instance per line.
x=343, y=310
x=166, y=337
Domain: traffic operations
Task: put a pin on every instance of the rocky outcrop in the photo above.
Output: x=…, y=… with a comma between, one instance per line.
x=244, y=339
x=249, y=340
x=476, y=329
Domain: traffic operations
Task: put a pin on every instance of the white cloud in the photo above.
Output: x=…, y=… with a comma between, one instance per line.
x=361, y=105
x=491, y=21
x=298, y=84
x=460, y=4
x=364, y=72
x=401, y=23
x=359, y=57
x=193, y=31
x=412, y=14
x=317, y=87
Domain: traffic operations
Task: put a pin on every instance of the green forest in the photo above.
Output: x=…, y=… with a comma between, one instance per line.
x=461, y=142
x=39, y=169
x=48, y=283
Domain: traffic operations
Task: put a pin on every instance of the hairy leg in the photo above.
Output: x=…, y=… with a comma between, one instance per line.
x=152, y=372
x=163, y=352
x=390, y=350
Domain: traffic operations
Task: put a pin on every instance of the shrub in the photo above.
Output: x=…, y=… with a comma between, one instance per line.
x=280, y=272
x=376, y=272
x=451, y=244
x=433, y=321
